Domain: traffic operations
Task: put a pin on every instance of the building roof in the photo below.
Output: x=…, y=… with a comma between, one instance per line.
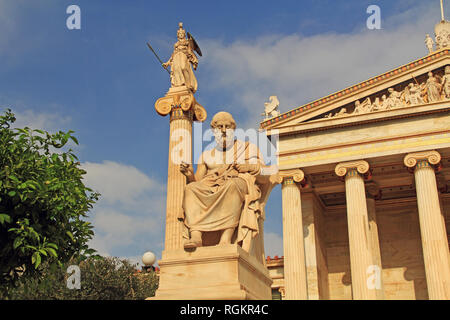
x=372, y=82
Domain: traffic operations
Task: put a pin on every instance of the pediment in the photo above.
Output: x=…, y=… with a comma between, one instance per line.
x=406, y=89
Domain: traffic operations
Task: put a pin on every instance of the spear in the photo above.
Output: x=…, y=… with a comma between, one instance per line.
x=150, y=47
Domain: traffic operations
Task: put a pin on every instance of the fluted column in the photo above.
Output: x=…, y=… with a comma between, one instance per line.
x=295, y=281
x=358, y=227
x=432, y=225
x=183, y=110
x=180, y=149
x=315, y=248
x=376, y=274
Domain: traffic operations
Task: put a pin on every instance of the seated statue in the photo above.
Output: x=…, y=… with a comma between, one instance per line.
x=227, y=193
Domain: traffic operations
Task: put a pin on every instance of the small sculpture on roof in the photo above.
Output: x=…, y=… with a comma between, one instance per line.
x=429, y=43
x=271, y=108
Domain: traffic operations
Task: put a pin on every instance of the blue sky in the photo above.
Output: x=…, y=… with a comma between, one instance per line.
x=102, y=82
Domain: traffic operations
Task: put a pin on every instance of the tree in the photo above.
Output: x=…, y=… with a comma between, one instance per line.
x=43, y=201
x=100, y=279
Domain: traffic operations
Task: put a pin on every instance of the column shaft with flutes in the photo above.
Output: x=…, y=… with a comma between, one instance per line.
x=358, y=227
x=183, y=110
x=294, y=251
x=180, y=149
x=372, y=192
x=432, y=225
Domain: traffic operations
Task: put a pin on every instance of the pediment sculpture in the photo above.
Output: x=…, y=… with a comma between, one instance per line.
x=271, y=108
x=435, y=88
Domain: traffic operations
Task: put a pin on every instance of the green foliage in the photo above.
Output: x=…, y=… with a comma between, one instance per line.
x=43, y=201
x=101, y=279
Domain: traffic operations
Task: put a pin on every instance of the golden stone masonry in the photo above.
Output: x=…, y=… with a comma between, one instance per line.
x=364, y=174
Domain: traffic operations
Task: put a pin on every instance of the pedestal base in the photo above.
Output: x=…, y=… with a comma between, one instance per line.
x=212, y=273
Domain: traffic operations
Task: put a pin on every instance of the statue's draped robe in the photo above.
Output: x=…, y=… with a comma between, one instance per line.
x=181, y=70
x=433, y=89
x=225, y=198
x=446, y=81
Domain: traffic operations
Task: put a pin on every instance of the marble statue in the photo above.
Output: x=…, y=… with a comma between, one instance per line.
x=341, y=113
x=429, y=43
x=363, y=107
x=376, y=106
x=183, y=56
x=384, y=104
x=446, y=82
x=394, y=99
x=271, y=108
x=414, y=96
x=224, y=194
x=433, y=88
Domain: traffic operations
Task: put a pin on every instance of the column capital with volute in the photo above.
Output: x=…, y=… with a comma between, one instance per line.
x=422, y=159
x=360, y=166
x=290, y=176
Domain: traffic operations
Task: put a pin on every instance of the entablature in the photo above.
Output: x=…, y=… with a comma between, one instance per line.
x=408, y=86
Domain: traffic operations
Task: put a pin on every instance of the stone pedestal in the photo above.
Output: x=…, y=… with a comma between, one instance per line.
x=224, y=272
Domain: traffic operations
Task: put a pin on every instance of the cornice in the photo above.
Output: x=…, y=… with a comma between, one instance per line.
x=363, y=86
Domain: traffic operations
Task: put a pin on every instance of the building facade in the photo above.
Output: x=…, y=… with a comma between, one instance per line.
x=365, y=186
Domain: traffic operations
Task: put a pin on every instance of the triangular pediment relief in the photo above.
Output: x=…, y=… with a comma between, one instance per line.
x=407, y=87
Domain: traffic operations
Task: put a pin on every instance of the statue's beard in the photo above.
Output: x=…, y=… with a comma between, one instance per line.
x=224, y=142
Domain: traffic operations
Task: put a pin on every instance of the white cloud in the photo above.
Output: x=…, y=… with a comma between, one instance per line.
x=116, y=229
x=118, y=182
x=273, y=244
x=39, y=120
x=128, y=219
x=300, y=69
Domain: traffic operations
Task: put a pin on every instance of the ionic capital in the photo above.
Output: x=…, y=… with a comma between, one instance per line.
x=424, y=158
x=360, y=166
x=290, y=176
x=181, y=105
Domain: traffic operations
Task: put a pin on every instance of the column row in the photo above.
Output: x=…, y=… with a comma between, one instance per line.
x=365, y=258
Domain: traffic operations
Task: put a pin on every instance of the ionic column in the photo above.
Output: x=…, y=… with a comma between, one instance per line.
x=376, y=274
x=432, y=225
x=183, y=110
x=295, y=281
x=358, y=227
x=315, y=249
x=180, y=149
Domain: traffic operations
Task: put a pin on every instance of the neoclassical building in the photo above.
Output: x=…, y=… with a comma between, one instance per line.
x=365, y=175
